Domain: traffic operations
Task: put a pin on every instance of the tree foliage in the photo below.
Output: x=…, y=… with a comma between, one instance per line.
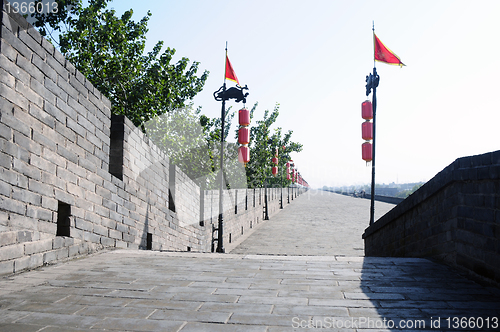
x=192, y=142
x=263, y=144
x=110, y=51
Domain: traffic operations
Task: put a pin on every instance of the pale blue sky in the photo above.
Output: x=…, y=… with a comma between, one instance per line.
x=312, y=58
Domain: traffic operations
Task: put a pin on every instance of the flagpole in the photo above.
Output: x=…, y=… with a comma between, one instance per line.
x=220, y=228
x=374, y=85
x=372, y=196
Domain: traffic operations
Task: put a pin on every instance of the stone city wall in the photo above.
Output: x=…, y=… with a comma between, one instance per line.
x=75, y=179
x=453, y=218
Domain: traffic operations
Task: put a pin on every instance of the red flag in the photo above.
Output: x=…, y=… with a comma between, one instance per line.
x=384, y=54
x=230, y=74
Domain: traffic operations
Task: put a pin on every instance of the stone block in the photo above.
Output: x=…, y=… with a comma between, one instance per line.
x=107, y=242
x=39, y=246
x=101, y=230
x=67, y=88
x=26, y=169
x=30, y=68
x=67, y=133
x=12, y=205
x=6, y=267
x=47, y=227
x=87, y=165
x=7, y=78
x=83, y=224
x=64, y=197
x=42, y=116
x=5, y=160
x=91, y=237
x=128, y=238
x=54, y=88
x=14, y=97
x=32, y=96
x=58, y=242
x=11, y=252
x=8, y=238
x=93, y=217
x=76, y=83
x=121, y=244
x=26, y=196
x=29, y=41
x=55, y=112
x=22, y=263
x=75, y=189
x=24, y=236
x=40, y=188
x=15, y=42
x=36, y=260
x=54, y=64
x=49, y=257
x=115, y=234
x=8, y=50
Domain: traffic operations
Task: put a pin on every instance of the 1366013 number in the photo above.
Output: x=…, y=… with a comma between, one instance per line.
x=472, y=322
x=32, y=7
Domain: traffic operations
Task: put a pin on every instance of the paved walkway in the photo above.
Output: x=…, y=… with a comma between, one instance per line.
x=128, y=290
x=316, y=223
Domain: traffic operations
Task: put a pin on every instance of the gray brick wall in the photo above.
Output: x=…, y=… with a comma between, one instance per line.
x=55, y=149
x=454, y=218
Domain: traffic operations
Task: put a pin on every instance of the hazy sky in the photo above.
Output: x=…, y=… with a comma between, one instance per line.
x=312, y=57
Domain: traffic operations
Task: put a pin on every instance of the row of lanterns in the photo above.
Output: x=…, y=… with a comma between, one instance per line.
x=367, y=131
x=244, y=136
x=274, y=170
x=244, y=150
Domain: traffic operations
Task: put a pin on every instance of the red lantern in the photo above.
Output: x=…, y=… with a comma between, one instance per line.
x=275, y=170
x=243, y=154
x=366, y=151
x=275, y=160
x=367, y=130
x=288, y=176
x=367, y=110
x=244, y=117
x=244, y=135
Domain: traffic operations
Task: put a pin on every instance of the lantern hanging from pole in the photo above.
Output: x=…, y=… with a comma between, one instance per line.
x=366, y=151
x=275, y=160
x=367, y=130
x=243, y=154
x=274, y=170
x=244, y=117
x=244, y=135
x=367, y=110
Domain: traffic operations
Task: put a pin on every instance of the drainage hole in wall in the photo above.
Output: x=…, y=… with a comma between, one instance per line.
x=63, y=219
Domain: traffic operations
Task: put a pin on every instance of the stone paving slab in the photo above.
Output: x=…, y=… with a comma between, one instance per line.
x=128, y=290
x=302, y=270
x=316, y=223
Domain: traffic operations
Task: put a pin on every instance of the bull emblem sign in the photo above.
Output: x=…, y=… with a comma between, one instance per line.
x=235, y=93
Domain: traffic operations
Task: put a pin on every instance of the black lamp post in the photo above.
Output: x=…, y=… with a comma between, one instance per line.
x=222, y=94
x=372, y=83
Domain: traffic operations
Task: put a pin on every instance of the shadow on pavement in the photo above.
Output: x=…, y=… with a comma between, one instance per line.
x=418, y=294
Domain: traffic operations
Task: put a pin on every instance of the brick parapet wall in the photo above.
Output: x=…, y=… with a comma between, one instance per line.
x=61, y=150
x=454, y=218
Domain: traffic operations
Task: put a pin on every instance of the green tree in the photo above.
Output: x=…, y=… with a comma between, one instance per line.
x=109, y=51
x=192, y=142
x=263, y=144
